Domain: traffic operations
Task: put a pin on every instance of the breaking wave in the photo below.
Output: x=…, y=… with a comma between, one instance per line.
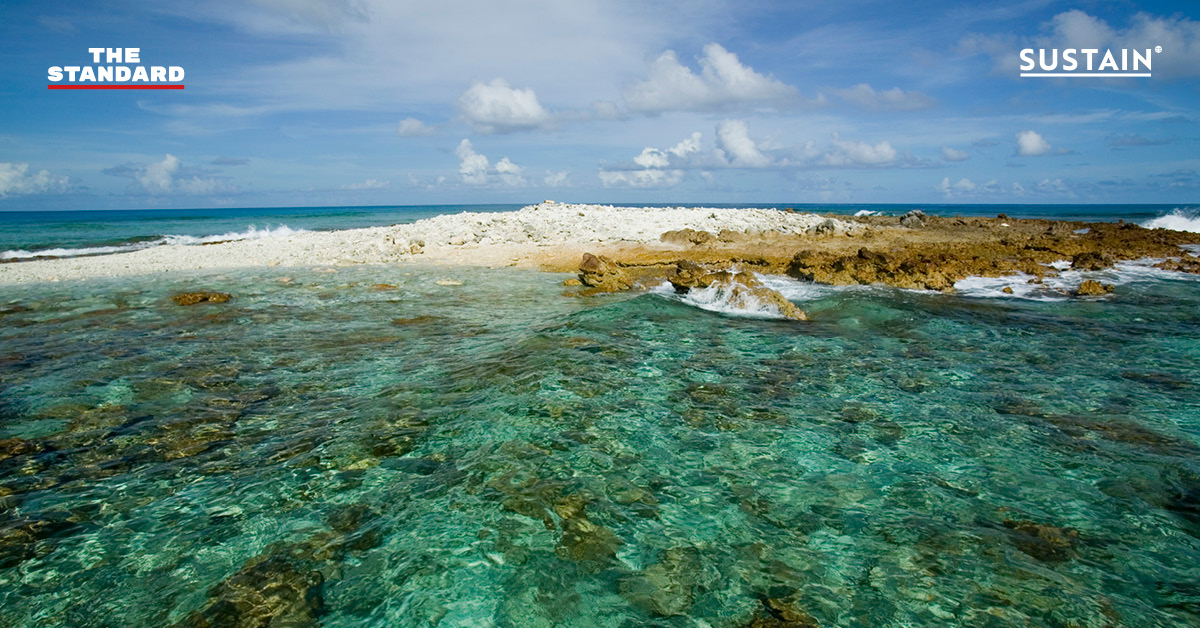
x=1185, y=219
x=252, y=233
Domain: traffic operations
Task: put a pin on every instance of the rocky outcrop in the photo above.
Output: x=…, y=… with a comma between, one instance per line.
x=914, y=219
x=744, y=290
x=192, y=298
x=1093, y=288
x=1180, y=265
x=603, y=274
x=687, y=237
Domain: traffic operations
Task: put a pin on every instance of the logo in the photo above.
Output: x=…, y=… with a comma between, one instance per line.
x=130, y=74
x=1087, y=63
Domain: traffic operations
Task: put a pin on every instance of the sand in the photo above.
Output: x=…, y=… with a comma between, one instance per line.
x=550, y=236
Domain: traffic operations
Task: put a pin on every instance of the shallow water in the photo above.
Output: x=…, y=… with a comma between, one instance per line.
x=497, y=454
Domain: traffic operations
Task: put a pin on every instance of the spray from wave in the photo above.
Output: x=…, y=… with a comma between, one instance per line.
x=1181, y=219
x=253, y=233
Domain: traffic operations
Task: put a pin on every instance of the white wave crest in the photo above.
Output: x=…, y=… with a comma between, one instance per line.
x=252, y=233
x=1064, y=285
x=867, y=212
x=1184, y=219
x=722, y=299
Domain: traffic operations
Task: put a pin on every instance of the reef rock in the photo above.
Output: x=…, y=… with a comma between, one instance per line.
x=603, y=274
x=192, y=298
x=1093, y=288
x=265, y=593
x=1180, y=265
x=778, y=613
x=743, y=290
x=667, y=587
x=914, y=219
x=1091, y=260
x=583, y=541
x=1044, y=542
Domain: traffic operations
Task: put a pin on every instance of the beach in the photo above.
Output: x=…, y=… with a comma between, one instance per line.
x=600, y=416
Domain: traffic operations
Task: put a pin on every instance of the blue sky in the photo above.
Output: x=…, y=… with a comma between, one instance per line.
x=368, y=102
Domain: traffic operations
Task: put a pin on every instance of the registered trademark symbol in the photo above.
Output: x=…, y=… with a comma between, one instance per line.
x=1158, y=49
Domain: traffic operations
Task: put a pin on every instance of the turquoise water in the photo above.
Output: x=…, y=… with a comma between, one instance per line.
x=330, y=452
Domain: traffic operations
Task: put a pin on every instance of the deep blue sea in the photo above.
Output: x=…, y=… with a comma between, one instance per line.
x=376, y=446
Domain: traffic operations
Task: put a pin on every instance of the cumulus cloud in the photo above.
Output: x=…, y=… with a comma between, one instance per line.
x=736, y=146
x=723, y=81
x=966, y=187
x=851, y=153
x=15, y=178
x=951, y=154
x=412, y=127
x=497, y=107
x=640, y=178
x=895, y=99
x=369, y=184
x=476, y=169
x=655, y=158
x=169, y=176
x=1031, y=143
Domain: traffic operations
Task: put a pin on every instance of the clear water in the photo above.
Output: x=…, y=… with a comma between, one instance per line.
x=495, y=454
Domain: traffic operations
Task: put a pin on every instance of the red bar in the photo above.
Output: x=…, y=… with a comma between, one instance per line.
x=114, y=87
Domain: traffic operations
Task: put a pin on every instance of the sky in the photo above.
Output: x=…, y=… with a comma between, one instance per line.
x=385, y=102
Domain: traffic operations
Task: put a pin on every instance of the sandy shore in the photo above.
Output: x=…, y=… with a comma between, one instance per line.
x=545, y=236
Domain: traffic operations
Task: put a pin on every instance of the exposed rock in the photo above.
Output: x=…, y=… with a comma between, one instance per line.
x=914, y=219
x=1091, y=260
x=265, y=593
x=828, y=226
x=1180, y=265
x=1093, y=288
x=687, y=237
x=382, y=287
x=448, y=282
x=667, y=587
x=192, y=298
x=603, y=274
x=745, y=291
x=1007, y=290
x=572, y=282
x=1044, y=542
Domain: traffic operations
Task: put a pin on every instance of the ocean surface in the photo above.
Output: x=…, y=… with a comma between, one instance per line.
x=370, y=447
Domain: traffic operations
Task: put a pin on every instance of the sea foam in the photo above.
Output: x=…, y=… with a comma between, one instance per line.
x=253, y=233
x=1181, y=219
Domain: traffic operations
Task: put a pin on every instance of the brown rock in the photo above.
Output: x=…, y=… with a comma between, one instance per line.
x=1091, y=260
x=584, y=541
x=604, y=274
x=744, y=289
x=192, y=298
x=264, y=593
x=1180, y=265
x=1007, y=290
x=778, y=613
x=572, y=282
x=687, y=237
x=1092, y=288
x=667, y=587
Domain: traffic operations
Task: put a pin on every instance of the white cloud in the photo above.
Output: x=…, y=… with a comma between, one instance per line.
x=1053, y=186
x=962, y=187
x=15, y=178
x=369, y=184
x=656, y=158
x=850, y=153
x=496, y=107
x=1031, y=143
x=951, y=154
x=736, y=146
x=477, y=170
x=722, y=82
x=895, y=99
x=169, y=175
x=412, y=127
x=556, y=179
x=160, y=175
x=641, y=178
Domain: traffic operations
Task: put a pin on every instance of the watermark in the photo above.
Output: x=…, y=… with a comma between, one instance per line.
x=129, y=74
x=1087, y=62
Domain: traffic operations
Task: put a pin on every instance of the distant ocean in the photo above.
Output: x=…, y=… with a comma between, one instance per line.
x=29, y=234
x=408, y=446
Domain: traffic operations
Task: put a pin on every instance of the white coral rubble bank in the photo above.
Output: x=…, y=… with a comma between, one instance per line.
x=466, y=238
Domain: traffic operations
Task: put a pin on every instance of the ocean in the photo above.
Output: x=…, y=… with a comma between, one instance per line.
x=377, y=446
